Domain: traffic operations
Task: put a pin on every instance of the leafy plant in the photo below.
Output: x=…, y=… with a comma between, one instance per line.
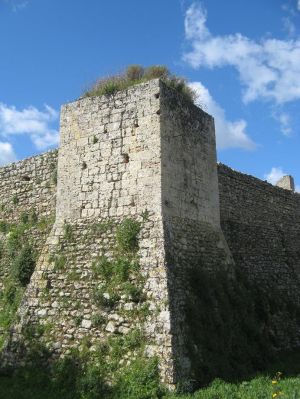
x=78, y=320
x=24, y=217
x=24, y=264
x=4, y=226
x=33, y=217
x=127, y=235
x=15, y=239
x=98, y=320
x=105, y=299
x=54, y=176
x=15, y=199
x=68, y=232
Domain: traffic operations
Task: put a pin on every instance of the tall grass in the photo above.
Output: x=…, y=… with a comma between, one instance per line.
x=135, y=74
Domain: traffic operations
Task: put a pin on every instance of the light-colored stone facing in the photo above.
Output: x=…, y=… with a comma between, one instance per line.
x=286, y=182
x=28, y=185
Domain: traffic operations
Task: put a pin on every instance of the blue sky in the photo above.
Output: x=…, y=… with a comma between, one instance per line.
x=242, y=58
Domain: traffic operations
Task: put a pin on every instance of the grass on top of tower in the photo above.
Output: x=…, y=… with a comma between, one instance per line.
x=135, y=74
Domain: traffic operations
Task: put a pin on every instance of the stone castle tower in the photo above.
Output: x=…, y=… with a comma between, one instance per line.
x=147, y=150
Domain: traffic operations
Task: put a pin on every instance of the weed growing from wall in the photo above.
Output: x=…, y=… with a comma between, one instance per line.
x=15, y=200
x=18, y=257
x=68, y=232
x=24, y=264
x=119, y=276
x=127, y=235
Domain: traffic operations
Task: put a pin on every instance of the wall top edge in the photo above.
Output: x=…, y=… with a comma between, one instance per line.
x=15, y=164
x=117, y=96
x=227, y=170
x=151, y=84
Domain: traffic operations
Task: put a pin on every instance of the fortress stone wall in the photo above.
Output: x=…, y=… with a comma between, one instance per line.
x=28, y=186
x=261, y=224
x=149, y=155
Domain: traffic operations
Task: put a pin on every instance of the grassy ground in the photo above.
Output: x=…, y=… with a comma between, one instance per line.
x=34, y=385
x=140, y=381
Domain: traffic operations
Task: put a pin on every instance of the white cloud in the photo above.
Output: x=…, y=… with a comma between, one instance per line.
x=7, y=154
x=289, y=26
x=228, y=133
x=275, y=175
x=17, y=5
x=268, y=69
x=298, y=5
x=285, y=127
x=30, y=121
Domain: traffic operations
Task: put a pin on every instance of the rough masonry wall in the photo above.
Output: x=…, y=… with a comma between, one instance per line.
x=190, y=205
x=109, y=169
x=261, y=224
x=27, y=186
x=109, y=159
x=27, y=190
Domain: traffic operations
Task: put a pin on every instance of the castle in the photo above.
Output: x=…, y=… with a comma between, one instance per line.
x=218, y=249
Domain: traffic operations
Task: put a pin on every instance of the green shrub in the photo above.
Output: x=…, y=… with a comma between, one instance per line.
x=59, y=261
x=103, y=268
x=33, y=217
x=9, y=302
x=105, y=301
x=4, y=226
x=98, y=320
x=134, y=292
x=24, y=217
x=54, y=176
x=68, y=232
x=127, y=235
x=91, y=384
x=15, y=239
x=15, y=199
x=139, y=380
x=24, y=264
x=78, y=320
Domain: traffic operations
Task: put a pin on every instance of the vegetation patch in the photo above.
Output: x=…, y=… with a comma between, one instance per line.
x=17, y=259
x=127, y=235
x=24, y=264
x=120, y=276
x=135, y=74
x=68, y=232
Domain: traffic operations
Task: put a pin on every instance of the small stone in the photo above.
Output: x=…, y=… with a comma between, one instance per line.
x=42, y=312
x=86, y=323
x=110, y=327
x=56, y=345
x=123, y=330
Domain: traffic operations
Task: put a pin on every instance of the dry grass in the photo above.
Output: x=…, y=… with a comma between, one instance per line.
x=135, y=74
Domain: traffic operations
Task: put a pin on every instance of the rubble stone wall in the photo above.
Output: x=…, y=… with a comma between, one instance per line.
x=27, y=186
x=261, y=224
